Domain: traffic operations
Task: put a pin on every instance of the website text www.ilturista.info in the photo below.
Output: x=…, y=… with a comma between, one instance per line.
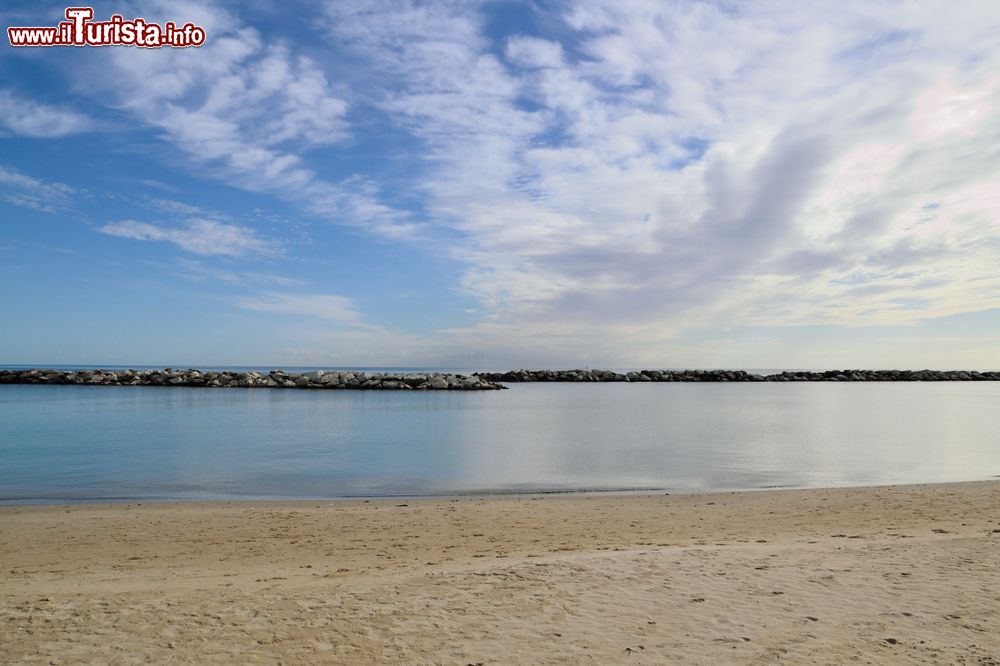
x=79, y=29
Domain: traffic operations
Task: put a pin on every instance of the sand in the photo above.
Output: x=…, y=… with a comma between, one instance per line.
x=890, y=575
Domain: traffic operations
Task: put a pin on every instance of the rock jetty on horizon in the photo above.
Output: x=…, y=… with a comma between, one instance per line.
x=515, y=376
x=436, y=381
x=317, y=379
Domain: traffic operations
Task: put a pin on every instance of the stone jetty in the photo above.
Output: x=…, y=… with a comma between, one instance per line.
x=738, y=376
x=479, y=381
x=278, y=379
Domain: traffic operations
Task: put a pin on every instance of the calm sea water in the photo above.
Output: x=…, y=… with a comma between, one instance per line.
x=76, y=443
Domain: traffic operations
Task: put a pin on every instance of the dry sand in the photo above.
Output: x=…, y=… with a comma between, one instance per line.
x=878, y=575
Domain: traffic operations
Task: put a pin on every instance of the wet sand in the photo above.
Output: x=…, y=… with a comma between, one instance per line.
x=878, y=575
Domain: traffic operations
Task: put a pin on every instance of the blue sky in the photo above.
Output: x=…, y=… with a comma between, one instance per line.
x=765, y=184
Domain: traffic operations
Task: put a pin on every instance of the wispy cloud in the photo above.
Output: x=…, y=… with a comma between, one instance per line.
x=326, y=307
x=19, y=189
x=205, y=237
x=199, y=272
x=244, y=109
x=158, y=184
x=180, y=208
x=25, y=117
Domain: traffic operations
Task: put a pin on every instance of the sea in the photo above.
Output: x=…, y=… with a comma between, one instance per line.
x=63, y=444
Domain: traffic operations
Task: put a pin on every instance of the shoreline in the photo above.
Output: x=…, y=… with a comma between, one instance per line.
x=484, y=494
x=892, y=574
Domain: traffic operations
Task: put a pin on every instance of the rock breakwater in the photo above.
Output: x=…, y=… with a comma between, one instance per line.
x=274, y=379
x=479, y=381
x=514, y=376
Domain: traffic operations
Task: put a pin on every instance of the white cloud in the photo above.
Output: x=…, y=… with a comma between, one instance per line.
x=532, y=52
x=25, y=117
x=199, y=272
x=244, y=109
x=693, y=165
x=205, y=237
x=337, y=309
x=179, y=208
x=22, y=190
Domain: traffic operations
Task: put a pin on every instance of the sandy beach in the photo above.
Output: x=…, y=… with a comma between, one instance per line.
x=878, y=575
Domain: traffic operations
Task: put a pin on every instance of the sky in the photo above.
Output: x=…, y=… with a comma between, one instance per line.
x=620, y=183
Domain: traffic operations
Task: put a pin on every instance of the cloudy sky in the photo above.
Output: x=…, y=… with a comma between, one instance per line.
x=494, y=184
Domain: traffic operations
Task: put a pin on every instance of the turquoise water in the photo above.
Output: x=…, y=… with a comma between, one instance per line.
x=76, y=443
